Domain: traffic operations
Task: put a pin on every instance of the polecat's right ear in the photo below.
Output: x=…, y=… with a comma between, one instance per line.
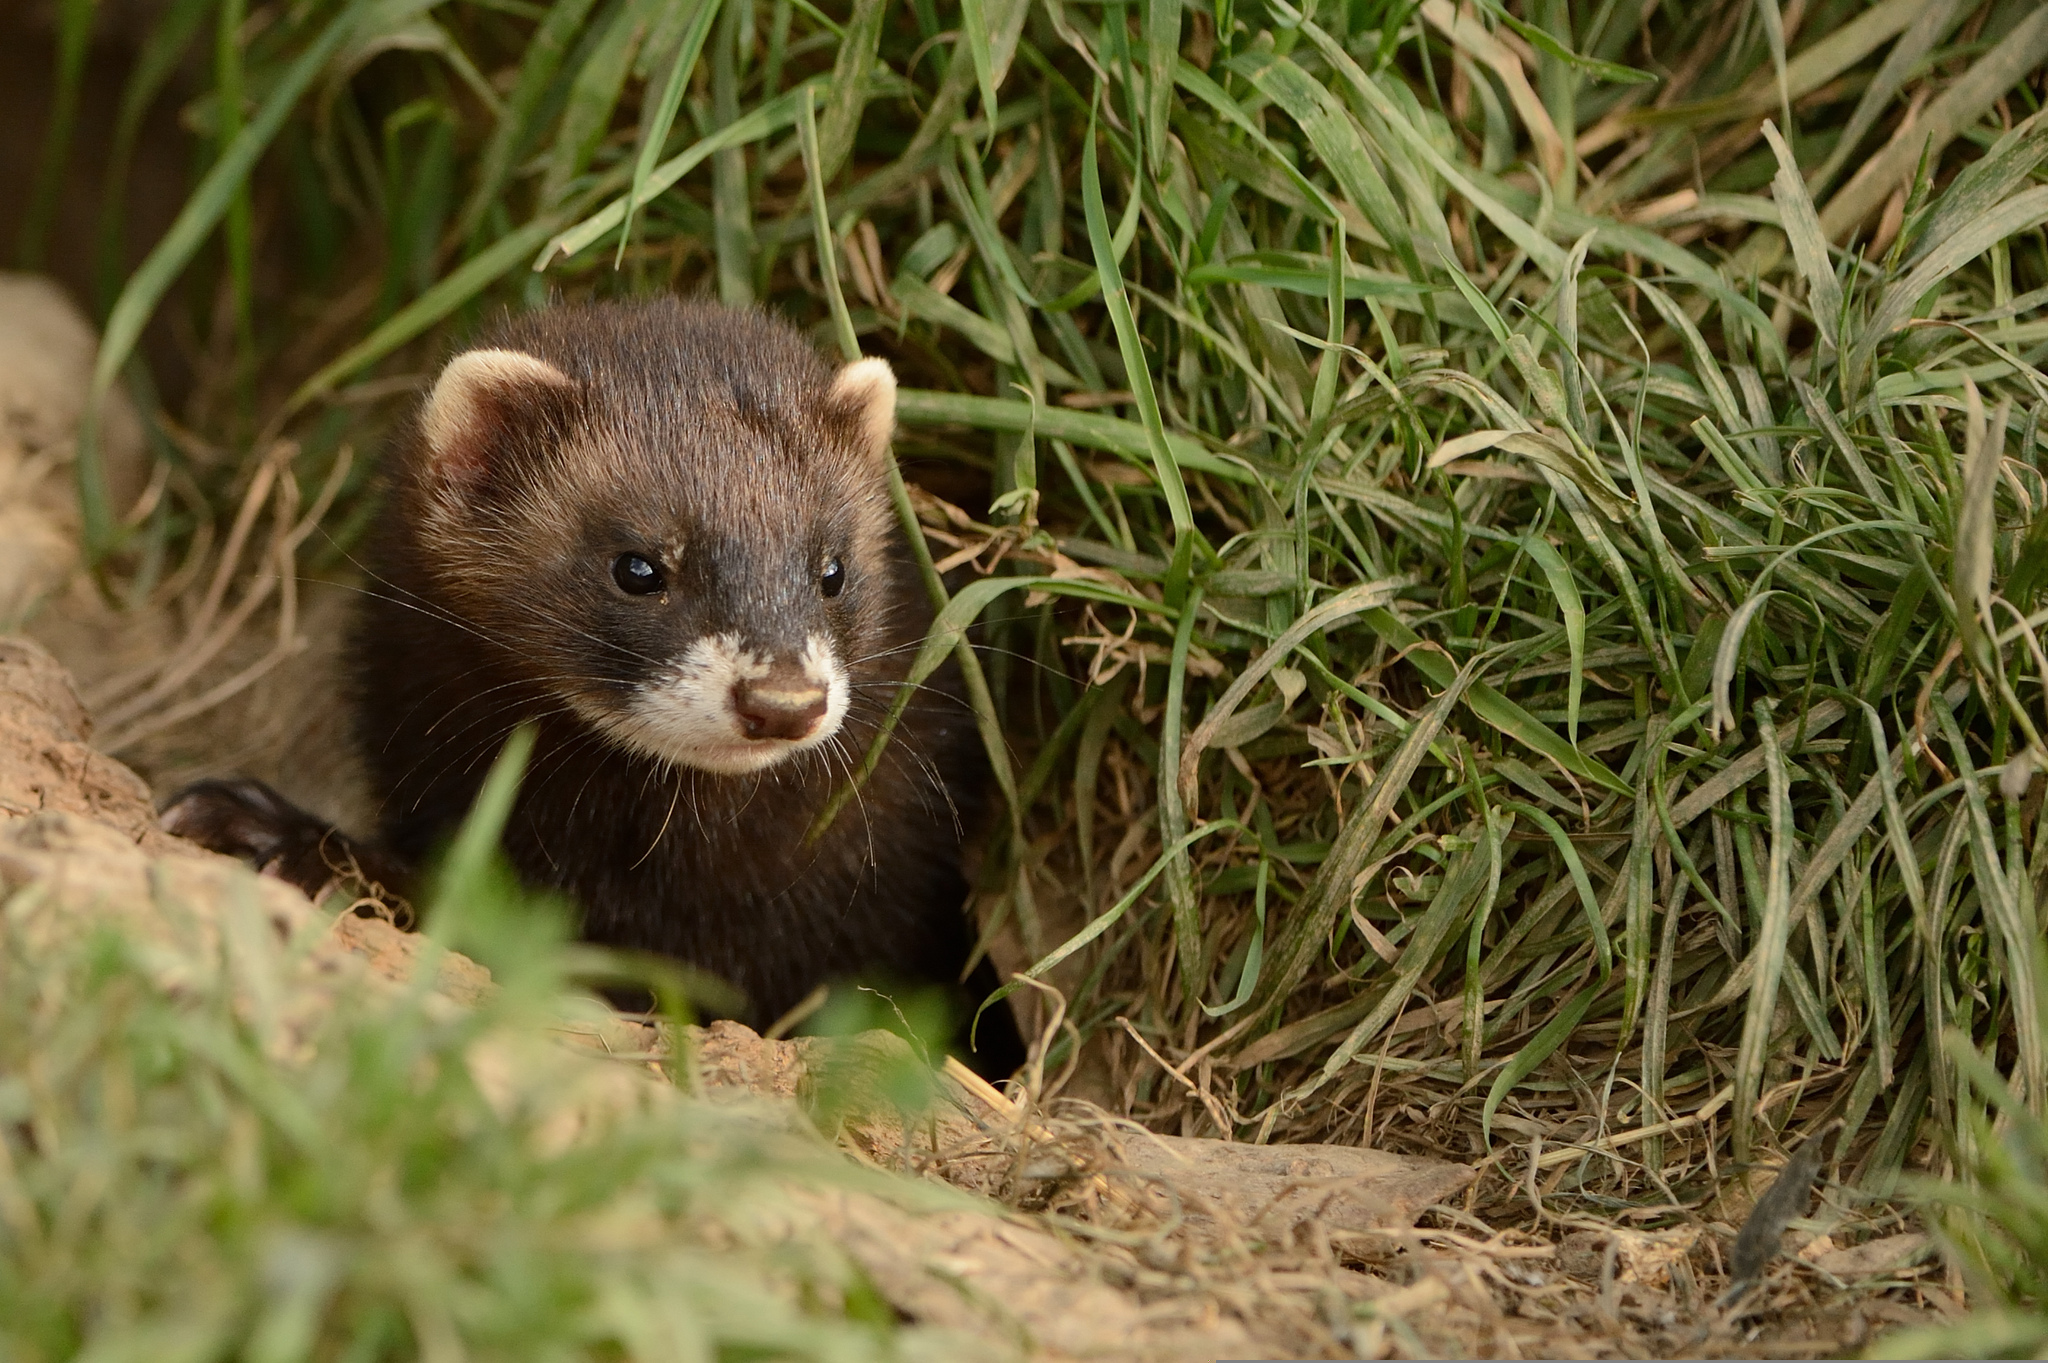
x=865, y=394
x=482, y=399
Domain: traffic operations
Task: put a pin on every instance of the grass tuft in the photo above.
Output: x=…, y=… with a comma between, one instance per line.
x=241, y=1157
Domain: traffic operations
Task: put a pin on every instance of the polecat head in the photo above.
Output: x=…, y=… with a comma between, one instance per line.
x=675, y=517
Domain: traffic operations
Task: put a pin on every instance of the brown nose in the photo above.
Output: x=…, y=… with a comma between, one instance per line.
x=777, y=707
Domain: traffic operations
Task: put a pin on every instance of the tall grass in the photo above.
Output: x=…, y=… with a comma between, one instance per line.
x=1507, y=537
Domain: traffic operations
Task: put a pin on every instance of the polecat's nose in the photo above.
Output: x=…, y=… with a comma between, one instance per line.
x=786, y=707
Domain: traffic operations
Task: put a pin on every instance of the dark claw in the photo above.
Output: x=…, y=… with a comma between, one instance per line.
x=248, y=820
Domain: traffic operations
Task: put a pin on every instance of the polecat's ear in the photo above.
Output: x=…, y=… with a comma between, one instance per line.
x=481, y=399
x=866, y=391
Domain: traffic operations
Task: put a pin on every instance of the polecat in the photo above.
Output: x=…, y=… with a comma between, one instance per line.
x=661, y=533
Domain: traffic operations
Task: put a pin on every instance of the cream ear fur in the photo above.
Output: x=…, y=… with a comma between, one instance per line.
x=870, y=386
x=453, y=408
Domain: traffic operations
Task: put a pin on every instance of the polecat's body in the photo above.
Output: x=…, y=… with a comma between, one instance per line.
x=661, y=533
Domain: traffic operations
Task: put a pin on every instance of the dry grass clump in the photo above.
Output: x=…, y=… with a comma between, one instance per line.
x=1506, y=539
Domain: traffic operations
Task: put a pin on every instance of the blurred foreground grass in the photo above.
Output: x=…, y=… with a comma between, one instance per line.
x=1509, y=537
x=198, y=1160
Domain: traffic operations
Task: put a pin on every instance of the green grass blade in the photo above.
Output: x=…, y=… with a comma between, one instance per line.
x=1771, y=939
x=1728, y=655
x=656, y=134
x=1109, y=918
x=1547, y=255
x=1573, y=607
x=988, y=238
x=74, y=40
x=922, y=407
x=1331, y=360
x=732, y=214
x=463, y=284
x=1540, y=1048
x=1338, y=144
x=1180, y=880
x=1356, y=283
x=1815, y=65
x=2027, y=209
x=1254, y=956
x=593, y=94
x=1929, y=24
x=1976, y=532
x=1162, y=57
x=764, y=120
x=1575, y=866
x=1496, y=709
x=466, y=877
x=543, y=57
x=1465, y=881
x=1835, y=849
x=2024, y=48
x=1198, y=84
x=1325, y=616
x=974, y=25
x=2016, y=932
x=1706, y=366
x=154, y=277
x=1809, y=247
x=1984, y=184
x=1330, y=894
x=1774, y=35
x=828, y=254
x=1138, y=368
x=1611, y=72
x=162, y=53
x=852, y=76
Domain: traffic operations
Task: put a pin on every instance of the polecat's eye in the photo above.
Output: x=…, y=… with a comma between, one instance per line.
x=833, y=580
x=636, y=576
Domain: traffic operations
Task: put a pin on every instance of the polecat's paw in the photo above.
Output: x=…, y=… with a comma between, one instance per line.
x=247, y=819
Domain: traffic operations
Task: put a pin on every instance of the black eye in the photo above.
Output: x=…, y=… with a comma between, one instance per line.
x=636, y=576
x=833, y=580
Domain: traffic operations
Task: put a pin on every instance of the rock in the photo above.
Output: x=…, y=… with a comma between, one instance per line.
x=395, y=955
x=733, y=1056
x=969, y=1271
x=1872, y=1258
x=1644, y=1258
x=46, y=765
x=1273, y=1188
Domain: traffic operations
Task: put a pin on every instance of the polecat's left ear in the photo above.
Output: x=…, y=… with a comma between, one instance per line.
x=866, y=392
